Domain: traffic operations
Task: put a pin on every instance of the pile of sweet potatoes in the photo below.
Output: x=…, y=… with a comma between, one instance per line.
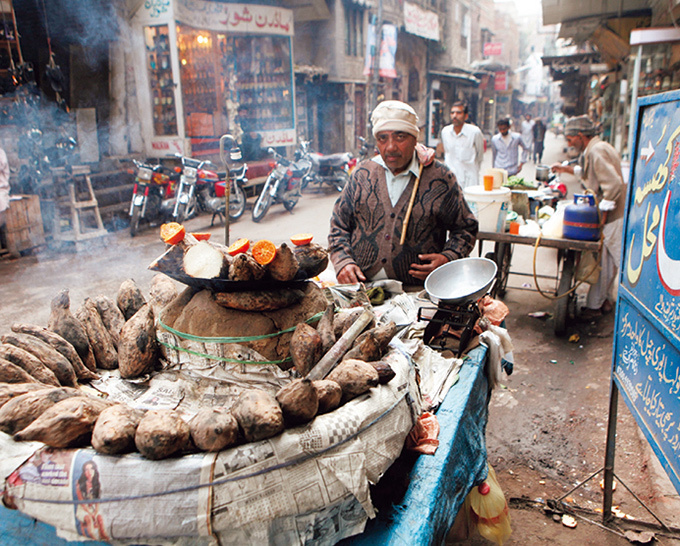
x=40, y=369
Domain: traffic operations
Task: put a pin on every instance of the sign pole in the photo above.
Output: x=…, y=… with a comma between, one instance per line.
x=610, y=453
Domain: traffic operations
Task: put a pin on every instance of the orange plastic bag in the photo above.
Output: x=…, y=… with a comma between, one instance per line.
x=489, y=510
x=423, y=435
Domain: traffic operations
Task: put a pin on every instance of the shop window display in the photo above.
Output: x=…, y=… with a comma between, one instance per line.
x=234, y=83
x=160, y=78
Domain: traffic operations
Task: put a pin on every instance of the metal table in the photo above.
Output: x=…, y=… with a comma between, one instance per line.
x=568, y=251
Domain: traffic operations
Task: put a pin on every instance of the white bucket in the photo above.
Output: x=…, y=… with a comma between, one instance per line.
x=489, y=207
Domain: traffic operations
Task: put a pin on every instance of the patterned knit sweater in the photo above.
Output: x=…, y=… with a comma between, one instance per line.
x=366, y=228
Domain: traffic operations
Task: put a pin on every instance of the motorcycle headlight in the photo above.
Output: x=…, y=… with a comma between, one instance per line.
x=184, y=198
x=144, y=174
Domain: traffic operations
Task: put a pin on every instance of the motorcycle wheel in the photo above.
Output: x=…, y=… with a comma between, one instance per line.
x=237, y=202
x=134, y=220
x=264, y=201
x=341, y=182
x=185, y=211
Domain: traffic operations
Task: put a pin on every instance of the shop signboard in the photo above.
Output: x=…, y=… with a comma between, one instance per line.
x=646, y=361
x=500, y=81
x=493, y=49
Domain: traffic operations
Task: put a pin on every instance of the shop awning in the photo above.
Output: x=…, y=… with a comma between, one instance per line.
x=488, y=66
x=308, y=10
x=565, y=66
x=462, y=77
x=560, y=11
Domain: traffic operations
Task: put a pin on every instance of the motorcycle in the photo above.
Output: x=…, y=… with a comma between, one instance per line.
x=365, y=152
x=196, y=192
x=330, y=169
x=151, y=195
x=284, y=183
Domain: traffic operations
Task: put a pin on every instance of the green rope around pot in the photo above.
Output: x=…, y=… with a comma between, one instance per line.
x=242, y=339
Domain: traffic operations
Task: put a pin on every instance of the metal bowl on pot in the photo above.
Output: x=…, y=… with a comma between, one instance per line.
x=460, y=281
x=542, y=173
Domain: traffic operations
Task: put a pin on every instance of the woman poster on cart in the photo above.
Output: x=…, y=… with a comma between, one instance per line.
x=89, y=521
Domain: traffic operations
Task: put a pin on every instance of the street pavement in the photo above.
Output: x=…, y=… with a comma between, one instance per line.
x=547, y=424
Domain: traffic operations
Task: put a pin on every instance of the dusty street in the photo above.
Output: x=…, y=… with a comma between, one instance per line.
x=547, y=424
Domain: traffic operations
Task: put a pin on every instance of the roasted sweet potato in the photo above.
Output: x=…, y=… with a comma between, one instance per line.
x=12, y=390
x=259, y=300
x=162, y=434
x=54, y=360
x=258, y=414
x=102, y=344
x=21, y=411
x=385, y=371
x=355, y=377
x=59, y=344
x=284, y=267
x=111, y=315
x=213, y=429
x=329, y=394
x=244, y=268
x=344, y=319
x=63, y=323
x=205, y=261
x=11, y=373
x=67, y=423
x=130, y=298
x=114, y=431
x=161, y=292
x=299, y=401
x=28, y=363
x=311, y=258
x=137, y=349
x=367, y=348
x=325, y=328
x=305, y=348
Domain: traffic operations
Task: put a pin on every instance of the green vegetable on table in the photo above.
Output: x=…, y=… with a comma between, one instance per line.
x=515, y=181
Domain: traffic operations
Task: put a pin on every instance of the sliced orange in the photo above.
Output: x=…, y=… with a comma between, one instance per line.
x=302, y=239
x=239, y=246
x=172, y=233
x=264, y=251
x=201, y=236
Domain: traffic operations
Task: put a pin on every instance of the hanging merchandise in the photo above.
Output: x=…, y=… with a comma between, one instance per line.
x=370, y=47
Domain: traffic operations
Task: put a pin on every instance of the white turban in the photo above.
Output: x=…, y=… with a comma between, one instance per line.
x=394, y=115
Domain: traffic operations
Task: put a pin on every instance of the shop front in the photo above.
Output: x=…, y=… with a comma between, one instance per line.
x=204, y=69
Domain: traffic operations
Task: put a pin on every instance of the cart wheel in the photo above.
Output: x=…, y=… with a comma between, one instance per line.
x=502, y=260
x=562, y=305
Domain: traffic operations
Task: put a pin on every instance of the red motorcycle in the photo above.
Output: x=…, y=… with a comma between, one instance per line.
x=151, y=195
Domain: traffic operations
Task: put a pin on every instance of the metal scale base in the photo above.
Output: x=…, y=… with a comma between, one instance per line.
x=456, y=317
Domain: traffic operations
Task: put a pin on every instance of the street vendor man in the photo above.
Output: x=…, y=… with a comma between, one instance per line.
x=397, y=192
x=601, y=173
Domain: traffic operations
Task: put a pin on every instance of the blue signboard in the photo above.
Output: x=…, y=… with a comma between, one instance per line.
x=646, y=365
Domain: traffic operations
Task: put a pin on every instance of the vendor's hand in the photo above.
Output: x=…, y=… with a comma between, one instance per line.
x=430, y=262
x=351, y=274
x=520, y=168
x=559, y=168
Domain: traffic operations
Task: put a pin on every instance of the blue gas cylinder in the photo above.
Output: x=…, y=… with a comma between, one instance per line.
x=582, y=219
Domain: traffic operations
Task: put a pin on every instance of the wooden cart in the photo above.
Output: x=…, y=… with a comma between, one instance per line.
x=568, y=252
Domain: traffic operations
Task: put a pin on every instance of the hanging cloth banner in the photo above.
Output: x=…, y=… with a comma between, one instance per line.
x=370, y=47
x=388, y=50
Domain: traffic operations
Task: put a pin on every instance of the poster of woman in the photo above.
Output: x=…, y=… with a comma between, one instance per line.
x=86, y=485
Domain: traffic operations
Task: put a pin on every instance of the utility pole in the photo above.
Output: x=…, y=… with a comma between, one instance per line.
x=375, y=68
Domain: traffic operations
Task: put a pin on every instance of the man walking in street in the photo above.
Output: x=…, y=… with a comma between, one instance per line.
x=539, y=139
x=527, y=131
x=463, y=146
x=601, y=173
x=505, y=148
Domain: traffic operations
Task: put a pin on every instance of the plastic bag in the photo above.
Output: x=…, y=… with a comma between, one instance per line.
x=489, y=510
x=588, y=267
